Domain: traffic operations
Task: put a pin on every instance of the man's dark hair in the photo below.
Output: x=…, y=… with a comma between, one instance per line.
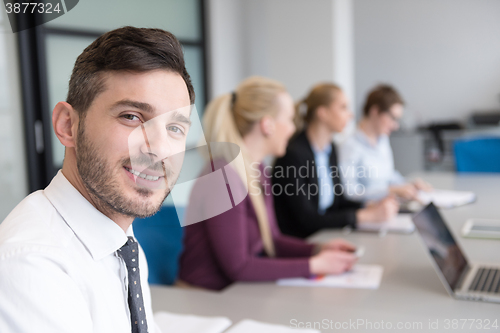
x=125, y=49
x=383, y=97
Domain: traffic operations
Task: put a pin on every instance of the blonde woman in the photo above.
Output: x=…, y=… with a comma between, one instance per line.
x=316, y=198
x=244, y=243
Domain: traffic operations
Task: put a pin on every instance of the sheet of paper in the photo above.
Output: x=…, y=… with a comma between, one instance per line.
x=361, y=276
x=181, y=323
x=401, y=223
x=252, y=326
x=446, y=198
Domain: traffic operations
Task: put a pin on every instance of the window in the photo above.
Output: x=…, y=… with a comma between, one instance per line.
x=53, y=48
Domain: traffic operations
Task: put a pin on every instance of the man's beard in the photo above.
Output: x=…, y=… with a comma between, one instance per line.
x=97, y=176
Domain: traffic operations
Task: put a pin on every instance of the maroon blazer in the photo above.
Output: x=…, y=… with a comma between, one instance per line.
x=228, y=247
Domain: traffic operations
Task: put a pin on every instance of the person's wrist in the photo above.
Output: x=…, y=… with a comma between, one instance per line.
x=313, y=269
x=363, y=215
x=394, y=190
x=317, y=249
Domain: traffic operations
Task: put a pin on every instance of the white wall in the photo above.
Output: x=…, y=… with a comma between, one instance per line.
x=13, y=175
x=343, y=46
x=290, y=41
x=443, y=55
x=297, y=42
x=225, y=40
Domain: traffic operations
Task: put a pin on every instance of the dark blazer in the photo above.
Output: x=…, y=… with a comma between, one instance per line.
x=297, y=207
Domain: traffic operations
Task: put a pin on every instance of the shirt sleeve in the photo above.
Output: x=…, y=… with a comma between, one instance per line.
x=38, y=296
x=229, y=240
x=157, y=329
x=352, y=164
x=287, y=246
x=296, y=200
x=397, y=178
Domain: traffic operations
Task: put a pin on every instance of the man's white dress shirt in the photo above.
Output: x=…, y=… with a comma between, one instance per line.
x=367, y=170
x=59, y=270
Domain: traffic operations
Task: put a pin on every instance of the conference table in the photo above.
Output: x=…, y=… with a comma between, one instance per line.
x=410, y=297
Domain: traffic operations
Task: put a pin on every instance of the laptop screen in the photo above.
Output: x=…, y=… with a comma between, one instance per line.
x=441, y=244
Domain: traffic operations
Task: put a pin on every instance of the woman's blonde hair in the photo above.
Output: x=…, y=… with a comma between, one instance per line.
x=230, y=117
x=322, y=94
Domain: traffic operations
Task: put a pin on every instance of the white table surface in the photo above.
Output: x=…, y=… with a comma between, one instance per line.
x=410, y=293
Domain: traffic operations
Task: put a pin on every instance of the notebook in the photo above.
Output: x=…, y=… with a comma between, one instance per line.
x=401, y=223
x=252, y=326
x=361, y=276
x=446, y=198
x=182, y=323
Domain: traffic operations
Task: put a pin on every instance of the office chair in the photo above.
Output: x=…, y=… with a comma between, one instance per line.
x=161, y=238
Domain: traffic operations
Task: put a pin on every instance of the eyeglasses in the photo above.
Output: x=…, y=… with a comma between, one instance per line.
x=393, y=117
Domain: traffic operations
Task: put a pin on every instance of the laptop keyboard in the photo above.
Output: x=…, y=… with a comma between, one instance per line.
x=486, y=280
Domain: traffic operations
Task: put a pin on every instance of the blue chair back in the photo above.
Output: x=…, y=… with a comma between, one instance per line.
x=161, y=238
x=479, y=154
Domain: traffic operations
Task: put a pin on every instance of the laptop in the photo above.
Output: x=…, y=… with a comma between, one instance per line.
x=461, y=278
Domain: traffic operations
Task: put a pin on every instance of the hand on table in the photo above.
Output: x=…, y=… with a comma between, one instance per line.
x=408, y=191
x=339, y=244
x=381, y=211
x=332, y=262
x=422, y=185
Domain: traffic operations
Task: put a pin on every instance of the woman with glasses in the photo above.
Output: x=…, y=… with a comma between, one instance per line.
x=367, y=155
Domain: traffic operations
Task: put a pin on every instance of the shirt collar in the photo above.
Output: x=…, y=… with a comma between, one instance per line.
x=363, y=138
x=99, y=234
x=327, y=150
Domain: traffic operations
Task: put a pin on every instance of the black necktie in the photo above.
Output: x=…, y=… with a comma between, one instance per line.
x=130, y=254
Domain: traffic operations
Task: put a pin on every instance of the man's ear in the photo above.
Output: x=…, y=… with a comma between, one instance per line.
x=373, y=111
x=65, y=123
x=267, y=125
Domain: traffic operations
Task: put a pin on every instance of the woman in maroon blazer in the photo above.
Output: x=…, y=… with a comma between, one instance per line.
x=244, y=242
